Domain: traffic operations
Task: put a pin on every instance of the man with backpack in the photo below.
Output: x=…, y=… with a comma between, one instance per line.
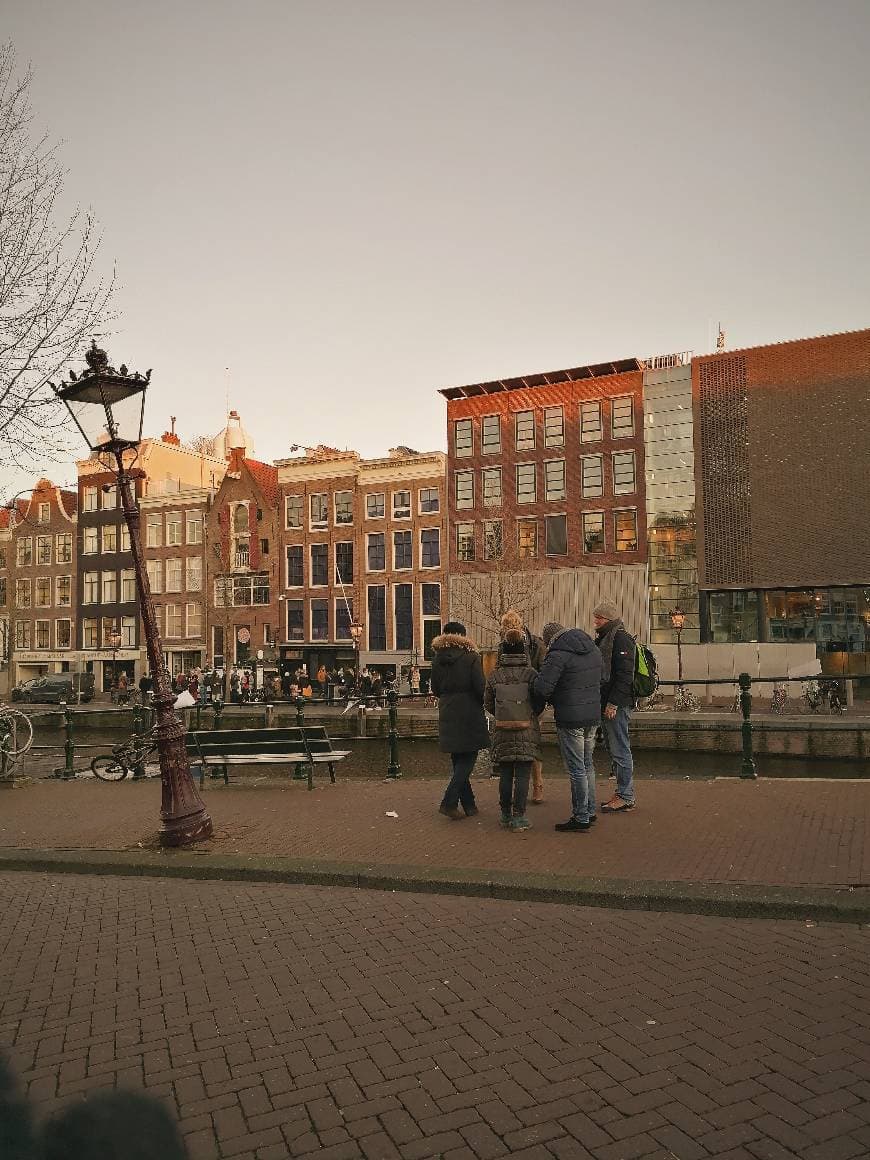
x=618, y=655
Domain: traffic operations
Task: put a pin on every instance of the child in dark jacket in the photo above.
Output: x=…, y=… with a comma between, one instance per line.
x=516, y=734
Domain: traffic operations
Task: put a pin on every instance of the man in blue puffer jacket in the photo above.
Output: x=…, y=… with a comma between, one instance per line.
x=570, y=680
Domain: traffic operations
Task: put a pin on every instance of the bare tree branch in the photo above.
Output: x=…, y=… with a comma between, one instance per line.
x=513, y=580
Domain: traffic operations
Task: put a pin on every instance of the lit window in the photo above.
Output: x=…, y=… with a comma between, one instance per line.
x=527, y=486
x=554, y=427
x=464, y=489
x=623, y=473
x=525, y=430
x=554, y=479
x=490, y=434
x=465, y=541
x=592, y=475
x=463, y=443
x=593, y=531
x=527, y=539
x=625, y=530
x=590, y=422
x=492, y=486
x=622, y=417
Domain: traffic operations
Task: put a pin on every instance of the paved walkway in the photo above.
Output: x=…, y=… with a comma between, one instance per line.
x=281, y=1021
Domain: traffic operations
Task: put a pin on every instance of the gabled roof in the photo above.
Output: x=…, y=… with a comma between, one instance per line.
x=265, y=475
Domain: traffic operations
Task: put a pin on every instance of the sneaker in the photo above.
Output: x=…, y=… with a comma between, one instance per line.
x=505, y=820
x=572, y=826
x=593, y=818
x=520, y=824
x=617, y=805
x=452, y=812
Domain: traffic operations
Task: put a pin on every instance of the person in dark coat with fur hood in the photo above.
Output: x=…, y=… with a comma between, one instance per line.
x=458, y=683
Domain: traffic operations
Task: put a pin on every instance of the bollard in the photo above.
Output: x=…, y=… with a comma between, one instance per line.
x=395, y=770
x=218, y=709
x=68, y=746
x=747, y=768
x=268, y=711
x=299, y=775
x=361, y=719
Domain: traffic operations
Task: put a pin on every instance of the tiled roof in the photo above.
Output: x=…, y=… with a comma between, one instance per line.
x=265, y=475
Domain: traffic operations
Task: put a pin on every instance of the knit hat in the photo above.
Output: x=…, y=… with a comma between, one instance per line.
x=511, y=622
x=607, y=609
x=513, y=641
x=454, y=627
x=550, y=630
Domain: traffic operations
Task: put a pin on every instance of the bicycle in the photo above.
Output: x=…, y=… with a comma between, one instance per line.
x=131, y=756
x=812, y=696
x=16, y=733
x=778, y=699
x=685, y=700
x=833, y=690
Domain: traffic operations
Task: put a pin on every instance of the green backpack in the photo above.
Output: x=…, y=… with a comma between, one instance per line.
x=646, y=678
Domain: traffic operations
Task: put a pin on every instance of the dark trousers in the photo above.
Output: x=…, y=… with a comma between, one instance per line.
x=459, y=791
x=513, y=787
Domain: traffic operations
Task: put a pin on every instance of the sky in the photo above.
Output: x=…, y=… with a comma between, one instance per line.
x=322, y=212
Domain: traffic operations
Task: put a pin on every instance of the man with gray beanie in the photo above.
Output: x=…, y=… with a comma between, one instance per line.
x=617, y=674
x=570, y=680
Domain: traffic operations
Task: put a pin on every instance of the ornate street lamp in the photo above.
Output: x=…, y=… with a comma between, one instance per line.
x=356, y=631
x=114, y=641
x=108, y=408
x=678, y=620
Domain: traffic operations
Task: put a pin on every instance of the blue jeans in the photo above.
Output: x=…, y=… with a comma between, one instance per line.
x=577, y=746
x=616, y=733
x=459, y=791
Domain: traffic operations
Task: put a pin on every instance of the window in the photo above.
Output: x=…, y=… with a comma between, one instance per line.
x=91, y=588
x=22, y=634
x=173, y=529
x=89, y=542
x=42, y=595
x=492, y=486
x=264, y=547
x=554, y=479
x=241, y=520
x=154, y=568
x=43, y=632
x=193, y=525
x=110, y=499
x=490, y=435
x=173, y=575
x=89, y=633
x=430, y=548
x=431, y=600
x=193, y=619
x=623, y=473
x=43, y=549
x=525, y=430
x=376, y=553
x=430, y=500
x=44, y=517
x=557, y=535
x=493, y=539
x=89, y=500
x=293, y=511
x=343, y=618
x=527, y=485
x=174, y=620
x=593, y=531
x=344, y=507
x=109, y=626
x=622, y=417
x=464, y=489
x=110, y=538
x=63, y=591
x=554, y=427
x=625, y=530
x=24, y=552
x=153, y=531
x=128, y=632
x=402, y=552
x=63, y=634
x=63, y=548
x=377, y=616
x=590, y=422
x=592, y=476
x=128, y=586
x=401, y=505
x=463, y=440
x=110, y=587
x=403, y=617
x=465, y=541
x=295, y=576
x=125, y=538
x=344, y=562
x=295, y=620
x=319, y=565
x=194, y=573
x=375, y=508
x=318, y=510
x=527, y=539
x=22, y=593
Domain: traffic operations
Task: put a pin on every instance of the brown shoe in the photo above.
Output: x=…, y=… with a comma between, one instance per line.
x=617, y=805
x=537, y=801
x=451, y=812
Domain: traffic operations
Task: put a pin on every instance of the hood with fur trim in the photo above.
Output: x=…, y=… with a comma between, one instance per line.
x=453, y=640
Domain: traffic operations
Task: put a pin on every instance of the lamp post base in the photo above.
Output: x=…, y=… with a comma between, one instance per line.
x=184, y=818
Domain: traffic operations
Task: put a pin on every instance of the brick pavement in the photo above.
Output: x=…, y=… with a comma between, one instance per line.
x=789, y=833
x=290, y=1020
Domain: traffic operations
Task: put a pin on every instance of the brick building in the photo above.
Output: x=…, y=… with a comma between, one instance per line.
x=6, y=590
x=362, y=540
x=546, y=474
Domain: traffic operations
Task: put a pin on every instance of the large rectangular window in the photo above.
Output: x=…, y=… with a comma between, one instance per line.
x=110, y=499
x=295, y=625
x=43, y=549
x=376, y=560
x=154, y=568
x=293, y=511
x=527, y=539
x=377, y=617
x=492, y=486
x=493, y=539
x=318, y=508
x=23, y=634
x=624, y=481
x=554, y=427
x=110, y=538
x=91, y=588
x=403, y=617
x=173, y=529
x=622, y=417
x=90, y=635
x=110, y=587
x=592, y=476
x=554, y=479
x=593, y=531
x=89, y=499
x=22, y=593
x=319, y=565
x=43, y=634
x=527, y=483
x=375, y=505
x=344, y=507
x=193, y=527
x=463, y=443
x=295, y=573
x=590, y=422
x=43, y=592
x=464, y=489
x=63, y=548
x=193, y=620
x=194, y=573
x=401, y=505
x=430, y=548
x=557, y=535
x=63, y=634
x=465, y=541
x=343, y=618
x=430, y=501
x=490, y=434
x=128, y=632
x=625, y=530
x=128, y=586
x=175, y=620
x=90, y=545
x=320, y=620
x=403, y=553
x=24, y=551
x=154, y=531
x=524, y=430
x=344, y=562
x=431, y=600
x=63, y=591
x=174, y=575
x=44, y=516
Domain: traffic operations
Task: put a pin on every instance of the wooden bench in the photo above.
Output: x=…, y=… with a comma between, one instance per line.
x=217, y=749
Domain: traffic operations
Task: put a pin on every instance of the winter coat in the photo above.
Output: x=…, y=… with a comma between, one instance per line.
x=570, y=679
x=458, y=683
x=617, y=690
x=514, y=744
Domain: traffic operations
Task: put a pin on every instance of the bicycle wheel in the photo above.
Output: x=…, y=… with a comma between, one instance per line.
x=108, y=768
x=20, y=731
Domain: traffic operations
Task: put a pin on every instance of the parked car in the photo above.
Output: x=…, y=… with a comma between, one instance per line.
x=56, y=687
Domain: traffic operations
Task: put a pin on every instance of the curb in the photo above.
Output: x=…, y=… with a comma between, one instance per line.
x=849, y=904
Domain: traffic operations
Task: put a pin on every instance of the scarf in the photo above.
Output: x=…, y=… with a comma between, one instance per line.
x=605, y=644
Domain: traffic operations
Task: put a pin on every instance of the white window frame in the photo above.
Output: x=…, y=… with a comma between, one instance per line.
x=430, y=511
x=311, y=582
x=24, y=552
x=402, y=511
x=127, y=584
x=44, y=516
x=496, y=448
x=586, y=492
x=626, y=457
x=173, y=575
x=603, y=519
x=90, y=632
x=109, y=501
x=319, y=525
x=23, y=585
x=58, y=603
x=174, y=620
x=532, y=555
x=462, y=532
x=369, y=536
x=342, y=523
x=91, y=581
x=193, y=573
x=58, y=643
x=90, y=536
x=301, y=550
x=382, y=496
x=593, y=433
x=109, y=579
x=533, y=498
x=63, y=548
x=90, y=499
x=42, y=542
x=193, y=526
x=41, y=580
x=463, y=449
x=154, y=530
x=125, y=538
x=528, y=443
x=287, y=525
x=561, y=492
x=621, y=512
x=461, y=504
x=174, y=529
x=551, y=439
x=197, y=610
x=403, y=532
x=489, y=499
x=46, y=624
x=625, y=431
x=311, y=603
x=128, y=632
x=154, y=568
x=429, y=567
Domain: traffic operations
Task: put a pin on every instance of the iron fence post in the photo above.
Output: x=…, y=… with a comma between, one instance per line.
x=69, y=771
x=395, y=770
x=218, y=713
x=298, y=774
x=747, y=767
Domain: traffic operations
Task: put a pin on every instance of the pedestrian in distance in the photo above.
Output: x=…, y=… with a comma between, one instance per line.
x=459, y=685
x=537, y=651
x=516, y=733
x=570, y=680
x=617, y=650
